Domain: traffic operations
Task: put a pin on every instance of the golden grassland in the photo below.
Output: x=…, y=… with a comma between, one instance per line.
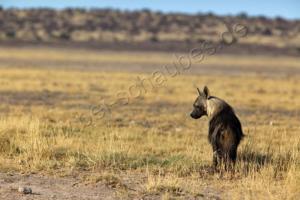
x=150, y=147
x=142, y=58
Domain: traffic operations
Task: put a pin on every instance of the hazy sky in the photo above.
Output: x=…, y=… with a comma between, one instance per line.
x=272, y=8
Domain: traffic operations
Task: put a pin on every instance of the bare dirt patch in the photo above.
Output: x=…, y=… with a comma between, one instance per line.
x=51, y=188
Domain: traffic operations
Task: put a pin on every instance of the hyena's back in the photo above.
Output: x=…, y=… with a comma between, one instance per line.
x=225, y=133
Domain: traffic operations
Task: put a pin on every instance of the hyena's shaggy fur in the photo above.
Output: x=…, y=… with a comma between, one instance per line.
x=225, y=130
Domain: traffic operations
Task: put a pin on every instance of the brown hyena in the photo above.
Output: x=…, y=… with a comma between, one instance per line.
x=225, y=130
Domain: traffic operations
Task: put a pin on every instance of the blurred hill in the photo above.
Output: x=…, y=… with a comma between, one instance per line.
x=145, y=30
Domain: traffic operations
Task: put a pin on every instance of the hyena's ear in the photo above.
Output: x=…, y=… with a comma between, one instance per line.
x=206, y=92
x=200, y=93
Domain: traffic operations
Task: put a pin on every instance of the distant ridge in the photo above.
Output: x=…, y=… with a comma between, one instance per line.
x=107, y=26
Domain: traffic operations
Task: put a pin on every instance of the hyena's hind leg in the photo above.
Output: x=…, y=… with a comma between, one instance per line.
x=230, y=158
x=217, y=158
x=217, y=155
x=233, y=154
x=217, y=152
x=229, y=148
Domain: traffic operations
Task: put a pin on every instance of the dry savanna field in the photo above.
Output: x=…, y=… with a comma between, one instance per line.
x=149, y=148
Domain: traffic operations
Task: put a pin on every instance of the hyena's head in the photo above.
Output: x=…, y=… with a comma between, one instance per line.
x=200, y=104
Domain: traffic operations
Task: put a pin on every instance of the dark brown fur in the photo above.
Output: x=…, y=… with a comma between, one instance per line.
x=225, y=130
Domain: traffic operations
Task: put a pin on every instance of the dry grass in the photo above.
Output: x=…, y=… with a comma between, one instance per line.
x=151, y=145
x=142, y=58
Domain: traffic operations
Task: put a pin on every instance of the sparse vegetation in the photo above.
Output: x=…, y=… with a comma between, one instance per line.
x=149, y=148
x=115, y=26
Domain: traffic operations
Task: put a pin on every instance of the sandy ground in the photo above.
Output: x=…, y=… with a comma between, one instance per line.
x=67, y=188
x=51, y=188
